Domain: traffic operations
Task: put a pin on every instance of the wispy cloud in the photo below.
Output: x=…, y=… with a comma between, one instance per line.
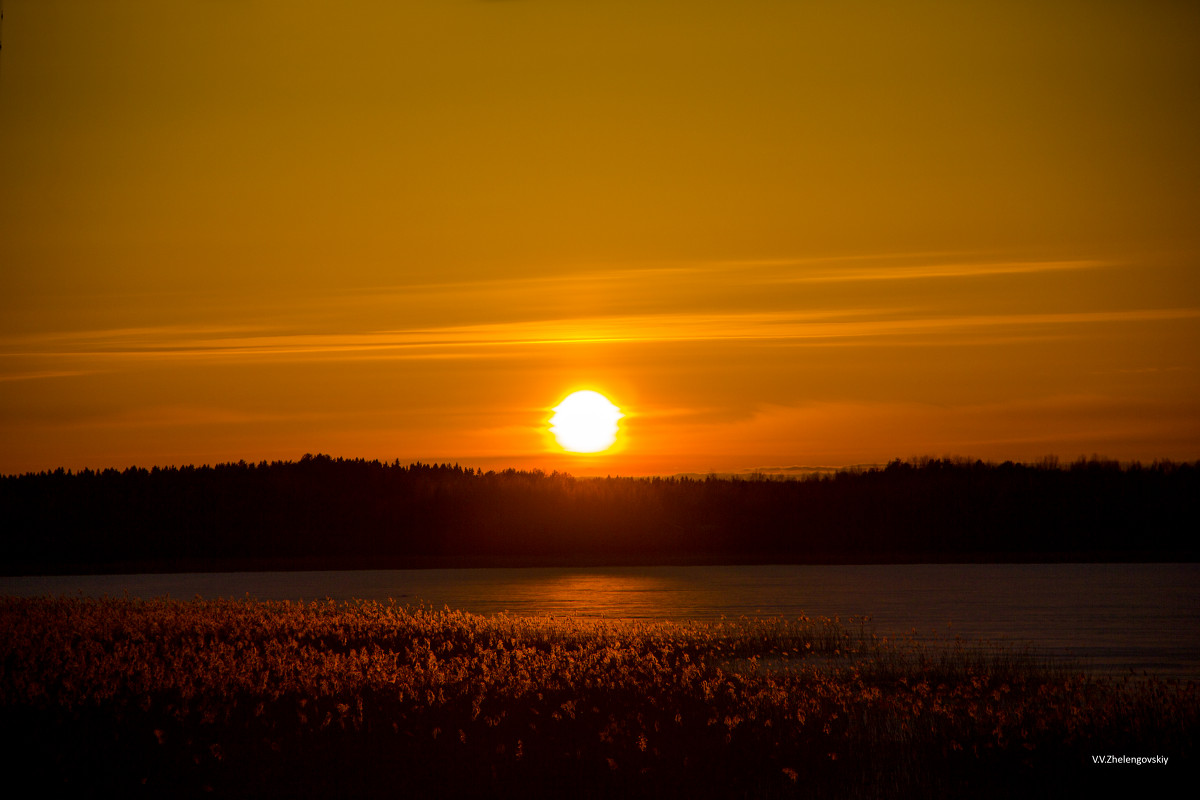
x=619, y=302
x=43, y=374
x=802, y=270
x=481, y=340
x=912, y=272
x=117, y=338
x=772, y=300
x=174, y=416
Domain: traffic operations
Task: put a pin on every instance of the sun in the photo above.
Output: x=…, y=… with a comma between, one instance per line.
x=585, y=422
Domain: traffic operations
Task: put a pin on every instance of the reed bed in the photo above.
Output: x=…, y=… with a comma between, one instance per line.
x=371, y=699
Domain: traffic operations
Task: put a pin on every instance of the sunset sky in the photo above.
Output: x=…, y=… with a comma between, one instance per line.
x=773, y=233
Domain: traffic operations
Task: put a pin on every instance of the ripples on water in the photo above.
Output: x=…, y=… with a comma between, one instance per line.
x=1110, y=617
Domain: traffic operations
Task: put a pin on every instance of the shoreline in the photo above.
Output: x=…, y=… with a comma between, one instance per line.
x=335, y=564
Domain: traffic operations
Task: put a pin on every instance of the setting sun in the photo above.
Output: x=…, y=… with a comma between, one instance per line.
x=585, y=422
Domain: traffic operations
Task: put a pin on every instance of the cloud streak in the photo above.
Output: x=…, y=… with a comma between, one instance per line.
x=676, y=275
x=931, y=271
x=863, y=326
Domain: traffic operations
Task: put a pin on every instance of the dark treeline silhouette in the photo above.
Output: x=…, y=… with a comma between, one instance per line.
x=322, y=512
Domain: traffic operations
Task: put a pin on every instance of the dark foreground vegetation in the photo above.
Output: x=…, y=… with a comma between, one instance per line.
x=250, y=699
x=326, y=513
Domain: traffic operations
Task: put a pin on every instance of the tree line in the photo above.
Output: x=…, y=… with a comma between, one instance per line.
x=322, y=512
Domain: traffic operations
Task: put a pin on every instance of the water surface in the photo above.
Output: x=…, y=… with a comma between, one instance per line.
x=1110, y=617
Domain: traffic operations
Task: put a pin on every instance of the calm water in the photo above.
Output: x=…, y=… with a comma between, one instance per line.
x=1110, y=617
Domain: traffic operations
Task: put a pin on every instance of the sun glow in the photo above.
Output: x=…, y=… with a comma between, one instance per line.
x=585, y=422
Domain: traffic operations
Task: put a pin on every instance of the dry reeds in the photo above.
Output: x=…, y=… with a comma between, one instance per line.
x=377, y=699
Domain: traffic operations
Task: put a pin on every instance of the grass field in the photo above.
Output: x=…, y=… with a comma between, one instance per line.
x=368, y=699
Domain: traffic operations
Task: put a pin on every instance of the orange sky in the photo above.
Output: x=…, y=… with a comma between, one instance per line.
x=774, y=234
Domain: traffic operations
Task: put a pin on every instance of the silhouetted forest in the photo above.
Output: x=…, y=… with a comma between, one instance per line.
x=322, y=512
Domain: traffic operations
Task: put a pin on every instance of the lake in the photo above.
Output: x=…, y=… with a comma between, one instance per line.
x=1111, y=618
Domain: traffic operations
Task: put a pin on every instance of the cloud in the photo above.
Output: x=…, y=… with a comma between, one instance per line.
x=906, y=266
x=173, y=416
x=847, y=326
x=44, y=374
x=933, y=271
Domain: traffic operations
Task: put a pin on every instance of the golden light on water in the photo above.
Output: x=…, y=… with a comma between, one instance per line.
x=585, y=422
